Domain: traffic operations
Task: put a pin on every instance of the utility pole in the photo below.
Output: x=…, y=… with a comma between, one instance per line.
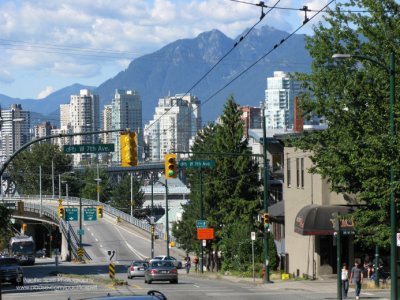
x=131, y=195
x=166, y=215
x=40, y=190
x=201, y=218
x=52, y=177
x=152, y=217
x=266, y=198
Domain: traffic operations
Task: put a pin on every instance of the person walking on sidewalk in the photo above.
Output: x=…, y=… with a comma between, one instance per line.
x=357, y=277
x=345, y=281
x=196, y=263
x=187, y=265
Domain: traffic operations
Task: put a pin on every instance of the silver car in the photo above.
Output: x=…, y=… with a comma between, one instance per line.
x=161, y=270
x=177, y=263
x=137, y=268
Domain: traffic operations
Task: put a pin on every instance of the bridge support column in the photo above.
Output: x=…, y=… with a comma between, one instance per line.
x=64, y=248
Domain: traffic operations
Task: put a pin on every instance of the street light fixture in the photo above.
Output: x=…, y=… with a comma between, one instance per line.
x=393, y=229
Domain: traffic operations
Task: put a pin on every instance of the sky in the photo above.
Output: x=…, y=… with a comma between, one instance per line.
x=46, y=45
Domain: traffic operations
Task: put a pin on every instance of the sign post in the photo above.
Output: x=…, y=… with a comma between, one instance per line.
x=253, y=237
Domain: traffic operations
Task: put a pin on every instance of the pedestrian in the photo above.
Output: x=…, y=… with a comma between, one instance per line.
x=196, y=263
x=357, y=277
x=187, y=265
x=345, y=281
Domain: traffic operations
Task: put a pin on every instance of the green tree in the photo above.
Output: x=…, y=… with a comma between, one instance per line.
x=88, y=184
x=24, y=169
x=5, y=226
x=230, y=190
x=355, y=152
x=121, y=196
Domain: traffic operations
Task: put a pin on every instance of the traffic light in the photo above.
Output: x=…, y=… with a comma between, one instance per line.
x=24, y=227
x=170, y=166
x=61, y=213
x=129, y=149
x=266, y=220
x=100, y=211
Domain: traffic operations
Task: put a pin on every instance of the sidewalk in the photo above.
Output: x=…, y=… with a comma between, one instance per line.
x=328, y=285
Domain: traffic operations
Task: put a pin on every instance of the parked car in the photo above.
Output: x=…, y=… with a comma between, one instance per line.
x=137, y=268
x=11, y=270
x=161, y=270
x=177, y=263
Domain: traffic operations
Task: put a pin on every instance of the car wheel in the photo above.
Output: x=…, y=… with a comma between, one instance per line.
x=174, y=281
x=145, y=281
x=149, y=282
x=129, y=277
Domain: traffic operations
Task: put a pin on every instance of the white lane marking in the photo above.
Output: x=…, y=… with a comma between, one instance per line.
x=87, y=228
x=101, y=246
x=96, y=240
x=136, y=252
x=130, y=232
x=92, y=233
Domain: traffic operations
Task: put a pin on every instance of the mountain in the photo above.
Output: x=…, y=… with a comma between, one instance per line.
x=178, y=67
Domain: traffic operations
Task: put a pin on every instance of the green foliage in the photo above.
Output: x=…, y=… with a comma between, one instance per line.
x=24, y=169
x=121, y=195
x=88, y=182
x=5, y=226
x=356, y=152
x=229, y=192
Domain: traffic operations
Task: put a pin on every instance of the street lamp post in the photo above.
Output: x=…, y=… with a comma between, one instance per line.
x=393, y=230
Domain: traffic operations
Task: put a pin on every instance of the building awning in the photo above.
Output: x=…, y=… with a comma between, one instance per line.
x=277, y=210
x=320, y=219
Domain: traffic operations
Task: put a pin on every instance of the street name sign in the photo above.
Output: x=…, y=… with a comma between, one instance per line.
x=89, y=148
x=81, y=232
x=89, y=214
x=71, y=214
x=196, y=164
x=201, y=224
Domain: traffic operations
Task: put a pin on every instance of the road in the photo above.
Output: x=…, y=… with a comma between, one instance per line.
x=41, y=283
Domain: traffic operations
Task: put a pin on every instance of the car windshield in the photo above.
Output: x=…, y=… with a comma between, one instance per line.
x=162, y=263
x=139, y=264
x=159, y=257
x=23, y=248
x=8, y=262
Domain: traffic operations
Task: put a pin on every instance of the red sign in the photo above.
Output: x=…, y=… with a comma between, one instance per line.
x=205, y=233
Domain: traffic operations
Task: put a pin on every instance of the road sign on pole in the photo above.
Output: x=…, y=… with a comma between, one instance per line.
x=201, y=224
x=89, y=214
x=71, y=213
x=89, y=148
x=196, y=164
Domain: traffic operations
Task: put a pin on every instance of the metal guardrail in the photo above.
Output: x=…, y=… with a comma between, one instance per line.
x=52, y=213
x=107, y=208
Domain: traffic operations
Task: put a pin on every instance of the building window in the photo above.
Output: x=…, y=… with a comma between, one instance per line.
x=288, y=174
x=298, y=172
x=302, y=171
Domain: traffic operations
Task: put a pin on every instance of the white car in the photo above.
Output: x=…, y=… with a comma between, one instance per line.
x=177, y=263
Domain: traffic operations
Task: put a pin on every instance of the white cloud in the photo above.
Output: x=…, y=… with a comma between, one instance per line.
x=47, y=91
x=5, y=76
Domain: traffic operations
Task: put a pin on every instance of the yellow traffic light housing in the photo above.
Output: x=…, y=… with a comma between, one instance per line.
x=170, y=166
x=99, y=211
x=266, y=220
x=129, y=149
x=24, y=227
x=61, y=212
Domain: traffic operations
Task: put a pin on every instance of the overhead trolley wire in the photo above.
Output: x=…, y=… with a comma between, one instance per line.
x=217, y=63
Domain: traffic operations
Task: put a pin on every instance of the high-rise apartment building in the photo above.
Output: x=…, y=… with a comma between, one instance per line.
x=107, y=124
x=80, y=115
x=43, y=130
x=279, y=101
x=126, y=113
x=176, y=120
x=15, y=130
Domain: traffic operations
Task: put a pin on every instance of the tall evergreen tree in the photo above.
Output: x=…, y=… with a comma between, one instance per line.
x=356, y=151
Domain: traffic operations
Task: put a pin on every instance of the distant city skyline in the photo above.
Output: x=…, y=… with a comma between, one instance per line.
x=46, y=46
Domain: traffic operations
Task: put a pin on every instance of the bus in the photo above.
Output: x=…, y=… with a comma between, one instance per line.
x=23, y=247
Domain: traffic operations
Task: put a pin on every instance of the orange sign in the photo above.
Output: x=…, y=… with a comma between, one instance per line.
x=205, y=233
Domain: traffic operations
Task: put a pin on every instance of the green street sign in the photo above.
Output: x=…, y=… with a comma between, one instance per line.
x=201, y=224
x=71, y=214
x=89, y=214
x=196, y=164
x=80, y=231
x=89, y=148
